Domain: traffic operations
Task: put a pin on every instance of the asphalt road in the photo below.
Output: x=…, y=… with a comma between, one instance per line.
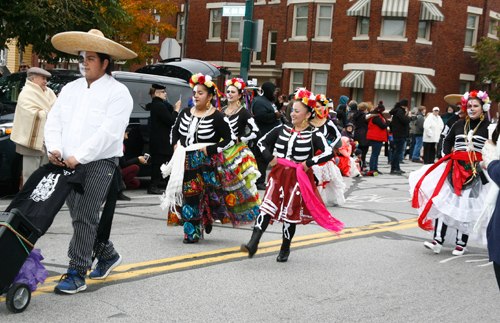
x=376, y=270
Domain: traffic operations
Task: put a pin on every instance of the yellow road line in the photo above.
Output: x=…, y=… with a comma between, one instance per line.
x=265, y=247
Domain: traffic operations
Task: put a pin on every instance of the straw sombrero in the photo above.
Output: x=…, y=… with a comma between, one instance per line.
x=453, y=99
x=72, y=42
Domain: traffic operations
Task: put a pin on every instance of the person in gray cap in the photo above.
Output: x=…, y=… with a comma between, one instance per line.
x=33, y=105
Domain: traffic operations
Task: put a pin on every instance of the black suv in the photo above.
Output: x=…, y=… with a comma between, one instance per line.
x=138, y=143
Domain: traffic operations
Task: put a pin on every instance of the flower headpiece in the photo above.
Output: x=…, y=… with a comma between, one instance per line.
x=306, y=97
x=483, y=96
x=237, y=83
x=322, y=111
x=201, y=79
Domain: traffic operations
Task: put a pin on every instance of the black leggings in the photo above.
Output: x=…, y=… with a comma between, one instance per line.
x=288, y=228
x=364, y=151
x=440, y=229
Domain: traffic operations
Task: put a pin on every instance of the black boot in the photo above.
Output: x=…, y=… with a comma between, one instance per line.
x=284, y=251
x=253, y=244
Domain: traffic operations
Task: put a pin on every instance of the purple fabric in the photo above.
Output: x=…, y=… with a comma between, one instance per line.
x=32, y=272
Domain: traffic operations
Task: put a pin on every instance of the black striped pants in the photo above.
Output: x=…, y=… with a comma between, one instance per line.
x=84, y=210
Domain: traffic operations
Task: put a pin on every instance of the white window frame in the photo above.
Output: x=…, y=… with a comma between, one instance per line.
x=292, y=76
x=259, y=2
x=294, y=27
x=181, y=25
x=318, y=18
x=360, y=36
x=427, y=38
x=256, y=61
x=3, y=56
x=269, y=61
x=154, y=39
x=393, y=37
x=211, y=25
x=469, y=48
x=494, y=22
x=388, y=106
x=314, y=84
x=229, y=29
x=418, y=101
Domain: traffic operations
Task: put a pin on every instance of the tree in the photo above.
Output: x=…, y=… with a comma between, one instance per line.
x=127, y=21
x=488, y=56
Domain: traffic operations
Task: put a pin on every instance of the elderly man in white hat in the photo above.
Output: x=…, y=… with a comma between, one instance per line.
x=86, y=126
x=33, y=106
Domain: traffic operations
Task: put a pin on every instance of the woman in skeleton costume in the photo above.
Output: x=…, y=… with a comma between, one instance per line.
x=291, y=195
x=242, y=199
x=454, y=193
x=331, y=185
x=194, y=196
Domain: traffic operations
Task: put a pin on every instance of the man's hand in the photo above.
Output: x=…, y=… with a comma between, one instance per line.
x=71, y=162
x=274, y=162
x=142, y=160
x=53, y=160
x=279, y=115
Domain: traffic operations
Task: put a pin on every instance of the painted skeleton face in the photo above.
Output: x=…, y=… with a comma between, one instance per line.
x=474, y=109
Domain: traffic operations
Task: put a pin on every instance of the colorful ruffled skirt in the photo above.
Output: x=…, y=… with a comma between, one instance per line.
x=204, y=200
x=238, y=173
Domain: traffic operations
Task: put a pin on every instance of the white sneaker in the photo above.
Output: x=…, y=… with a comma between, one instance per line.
x=434, y=246
x=459, y=250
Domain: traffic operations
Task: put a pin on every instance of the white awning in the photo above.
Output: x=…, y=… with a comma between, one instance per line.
x=422, y=84
x=388, y=81
x=355, y=79
x=395, y=8
x=360, y=9
x=429, y=11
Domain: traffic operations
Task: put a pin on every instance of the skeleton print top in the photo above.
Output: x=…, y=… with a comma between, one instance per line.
x=239, y=122
x=456, y=137
x=189, y=130
x=331, y=133
x=294, y=145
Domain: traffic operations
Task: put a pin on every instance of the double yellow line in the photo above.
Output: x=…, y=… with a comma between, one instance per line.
x=160, y=266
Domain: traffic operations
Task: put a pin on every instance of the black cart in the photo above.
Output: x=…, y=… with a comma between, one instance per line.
x=17, y=238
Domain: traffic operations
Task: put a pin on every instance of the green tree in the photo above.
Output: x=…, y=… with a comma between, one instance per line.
x=33, y=22
x=488, y=56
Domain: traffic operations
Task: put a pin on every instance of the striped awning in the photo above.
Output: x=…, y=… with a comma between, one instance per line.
x=355, y=79
x=395, y=8
x=429, y=11
x=360, y=9
x=422, y=84
x=388, y=81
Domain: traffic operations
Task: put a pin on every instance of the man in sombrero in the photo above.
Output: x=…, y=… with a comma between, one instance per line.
x=86, y=126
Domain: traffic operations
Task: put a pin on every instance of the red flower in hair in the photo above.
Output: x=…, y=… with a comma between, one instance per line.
x=201, y=79
x=473, y=94
x=318, y=97
x=311, y=103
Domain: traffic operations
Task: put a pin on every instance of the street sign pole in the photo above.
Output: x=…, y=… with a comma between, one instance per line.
x=247, y=40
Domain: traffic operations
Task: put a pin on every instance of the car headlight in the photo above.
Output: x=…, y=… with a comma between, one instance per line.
x=5, y=130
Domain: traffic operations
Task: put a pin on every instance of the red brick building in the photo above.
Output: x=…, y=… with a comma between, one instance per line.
x=369, y=50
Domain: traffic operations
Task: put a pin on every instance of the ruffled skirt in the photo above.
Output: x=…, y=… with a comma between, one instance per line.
x=459, y=212
x=331, y=185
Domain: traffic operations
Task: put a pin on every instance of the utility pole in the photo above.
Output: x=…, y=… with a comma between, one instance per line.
x=184, y=36
x=247, y=40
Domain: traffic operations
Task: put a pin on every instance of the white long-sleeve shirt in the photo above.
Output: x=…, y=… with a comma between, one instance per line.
x=89, y=122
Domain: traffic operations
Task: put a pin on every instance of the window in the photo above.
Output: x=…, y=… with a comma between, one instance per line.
x=324, y=21
x=390, y=97
x=272, y=40
x=180, y=26
x=471, y=30
x=416, y=99
x=394, y=27
x=357, y=94
x=296, y=80
x=363, y=26
x=493, y=28
x=73, y=67
x=464, y=87
x=319, y=82
x=154, y=38
x=424, y=29
x=234, y=28
x=215, y=23
x=300, y=21
x=256, y=57
x=3, y=56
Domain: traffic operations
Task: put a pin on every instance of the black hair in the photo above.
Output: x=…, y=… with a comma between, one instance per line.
x=308, y=108
x=103, y=57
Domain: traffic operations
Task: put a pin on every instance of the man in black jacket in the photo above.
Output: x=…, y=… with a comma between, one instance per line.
x=267, y=117
x=400, y=126
x=162, y=119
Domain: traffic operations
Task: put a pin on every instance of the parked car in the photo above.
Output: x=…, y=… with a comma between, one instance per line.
x=138, y=143
x=183, y=68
